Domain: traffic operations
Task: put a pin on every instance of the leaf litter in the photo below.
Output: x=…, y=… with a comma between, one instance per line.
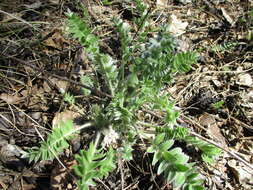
x=200, y=26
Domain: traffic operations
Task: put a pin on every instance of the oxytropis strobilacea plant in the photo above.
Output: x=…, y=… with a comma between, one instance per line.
x=135, y=82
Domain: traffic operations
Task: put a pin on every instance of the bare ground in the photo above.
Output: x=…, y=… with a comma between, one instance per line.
x=38, y=59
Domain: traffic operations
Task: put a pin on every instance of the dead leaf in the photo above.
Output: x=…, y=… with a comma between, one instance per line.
x=185, y=1
x=64, y=116
x=183, y=45
x=206, y=120
x=161, y=3
x=247, y=99
x=216, y=82
x=54, y=1
x=244, y=79
x=11, y=99
x=227, y=16
x=10, y=151
x=241, y=172
x=177, y=27
x=59, y=176
x=56, y=41
x=36, y=115
x=175, y=90
x=34, y=5
x=29, y=186
x=10, y=17
x=46, y=87
x=60, y=84
x=209, y=121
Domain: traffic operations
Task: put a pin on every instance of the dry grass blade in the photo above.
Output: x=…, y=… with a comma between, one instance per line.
x=230, y=152
x=17, y=18
x=94, y=90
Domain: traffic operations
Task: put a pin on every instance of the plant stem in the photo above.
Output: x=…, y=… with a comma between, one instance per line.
x=98, y=135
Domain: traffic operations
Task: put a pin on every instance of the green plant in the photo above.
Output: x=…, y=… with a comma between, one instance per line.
x=86, y=79
x=208, y=152
x=69, y=98
x=107, y=2
x=225, y=47
x=218, y=104
x=174, y=164
x=56, y=141
x=134, y=81
x=93, y=164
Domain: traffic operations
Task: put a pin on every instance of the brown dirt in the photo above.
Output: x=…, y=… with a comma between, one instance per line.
x=36, y=54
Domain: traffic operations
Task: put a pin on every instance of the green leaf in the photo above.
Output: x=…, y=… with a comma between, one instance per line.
x=183, y=61
x=166, y=145
x=180, y=167
x=193, y=187
x=93, y=164
x=127, y=152
x=197, y=182
x=156, y=157
x=107, y=67
x=55, y=143
x=108, y=164
x=170, y=176
x=162, y=167
x=181, y=157
x=208, y=159
x=82, y=32
x=218, y=104
x=86, y=80
x=132, y=80
x=169, y=157
x=151, y=149
x=192, y=176
x=179, y=180
x=69, y=98
x=198, y=187
x=107, y=2
x=159, y=139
